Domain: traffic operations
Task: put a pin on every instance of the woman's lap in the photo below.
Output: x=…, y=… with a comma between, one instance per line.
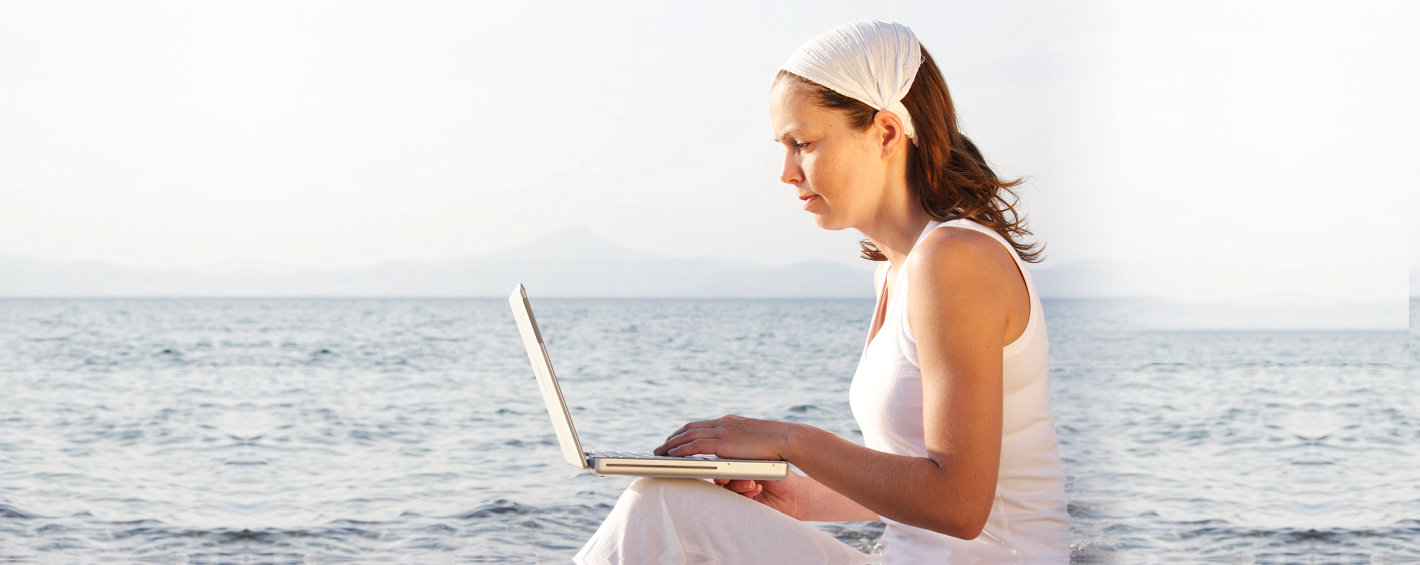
x=693, y=521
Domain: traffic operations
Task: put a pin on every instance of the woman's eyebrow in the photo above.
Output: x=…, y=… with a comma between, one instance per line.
x=788, y=132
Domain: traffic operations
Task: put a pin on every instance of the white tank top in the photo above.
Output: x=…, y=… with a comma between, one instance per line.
x=1028, y=521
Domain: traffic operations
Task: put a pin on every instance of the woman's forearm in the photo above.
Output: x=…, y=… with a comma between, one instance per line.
x=913, y=490
x=822, y=504
x=951, y=492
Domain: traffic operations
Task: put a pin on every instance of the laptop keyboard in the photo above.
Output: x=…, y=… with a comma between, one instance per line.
x=641, y=455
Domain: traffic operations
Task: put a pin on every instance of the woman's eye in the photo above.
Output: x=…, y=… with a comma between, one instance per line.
x=794, y=145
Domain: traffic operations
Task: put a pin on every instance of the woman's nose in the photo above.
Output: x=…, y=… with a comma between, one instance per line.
x=791, y=174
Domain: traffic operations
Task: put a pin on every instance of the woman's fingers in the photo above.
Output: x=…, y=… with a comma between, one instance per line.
x=694, y=447
x=715, y=423
x=684, y=444
x=745, y=488
x=739, y=437
x=689, y=433
x=693, y=425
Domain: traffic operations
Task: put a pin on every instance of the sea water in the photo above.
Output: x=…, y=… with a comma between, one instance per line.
x=410, y=430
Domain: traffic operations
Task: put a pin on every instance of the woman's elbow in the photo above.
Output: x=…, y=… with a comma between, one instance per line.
x=961, y=507
x=965, y=521
x=968, y=531
x=962, y=527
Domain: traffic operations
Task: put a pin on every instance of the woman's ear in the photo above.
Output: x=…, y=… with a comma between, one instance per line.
x=893, y=139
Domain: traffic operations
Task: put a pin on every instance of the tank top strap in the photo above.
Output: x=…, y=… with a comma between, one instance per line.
x=896, y=302
x=1010, y=250
x=973, y=225
x=1035, y=321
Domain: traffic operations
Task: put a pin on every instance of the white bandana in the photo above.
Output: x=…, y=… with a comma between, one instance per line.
x=873, y=62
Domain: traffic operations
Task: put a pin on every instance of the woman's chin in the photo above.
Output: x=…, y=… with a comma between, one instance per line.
x=828, y=223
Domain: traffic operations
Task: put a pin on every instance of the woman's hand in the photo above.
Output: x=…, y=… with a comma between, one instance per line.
x=732, y=437
x=781, y=495
x=797, y=496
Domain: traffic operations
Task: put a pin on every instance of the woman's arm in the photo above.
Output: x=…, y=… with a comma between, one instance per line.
x=822, y=504
x=962, y=287
x=801, y=498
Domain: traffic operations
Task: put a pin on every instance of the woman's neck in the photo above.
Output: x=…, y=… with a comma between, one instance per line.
x=899, y=218
x=896, y=229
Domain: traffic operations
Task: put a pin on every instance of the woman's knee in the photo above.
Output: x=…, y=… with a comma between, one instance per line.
x=657, y=485
x=677, y=495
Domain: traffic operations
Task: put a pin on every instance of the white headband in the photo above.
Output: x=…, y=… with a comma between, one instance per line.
x=873, y=62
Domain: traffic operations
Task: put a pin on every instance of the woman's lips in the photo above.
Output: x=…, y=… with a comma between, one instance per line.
x=810, y=199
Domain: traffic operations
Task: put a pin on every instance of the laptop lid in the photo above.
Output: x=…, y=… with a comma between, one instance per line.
x=625, y=464
x=547, y=379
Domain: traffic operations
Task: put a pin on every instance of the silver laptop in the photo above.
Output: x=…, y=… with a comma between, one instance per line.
x=617, y=462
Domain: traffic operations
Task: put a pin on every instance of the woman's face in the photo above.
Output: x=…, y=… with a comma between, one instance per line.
x=838, y=171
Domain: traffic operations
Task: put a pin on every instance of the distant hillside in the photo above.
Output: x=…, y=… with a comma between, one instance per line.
x=576, y=262
x=570, y=262
x=1082, y=279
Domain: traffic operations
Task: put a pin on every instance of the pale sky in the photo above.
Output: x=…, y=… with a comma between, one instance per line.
x=1236, y=151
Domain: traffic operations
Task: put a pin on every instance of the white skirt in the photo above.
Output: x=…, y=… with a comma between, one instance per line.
x=674, y=521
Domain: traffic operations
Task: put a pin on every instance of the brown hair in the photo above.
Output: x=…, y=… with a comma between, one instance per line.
x=951, y=178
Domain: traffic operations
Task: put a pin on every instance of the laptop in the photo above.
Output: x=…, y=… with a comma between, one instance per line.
x=619, y=462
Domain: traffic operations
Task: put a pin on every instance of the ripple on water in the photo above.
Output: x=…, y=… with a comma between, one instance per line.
x=10, y=512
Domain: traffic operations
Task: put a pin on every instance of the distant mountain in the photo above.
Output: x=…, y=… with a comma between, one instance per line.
x=1082, y=279
x=569, y=262
x=577, y=262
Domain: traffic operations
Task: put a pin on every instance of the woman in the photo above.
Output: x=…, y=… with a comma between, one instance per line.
x=951, y=392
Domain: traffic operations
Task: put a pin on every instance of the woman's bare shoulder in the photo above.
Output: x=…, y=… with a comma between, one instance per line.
x=962, y=255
